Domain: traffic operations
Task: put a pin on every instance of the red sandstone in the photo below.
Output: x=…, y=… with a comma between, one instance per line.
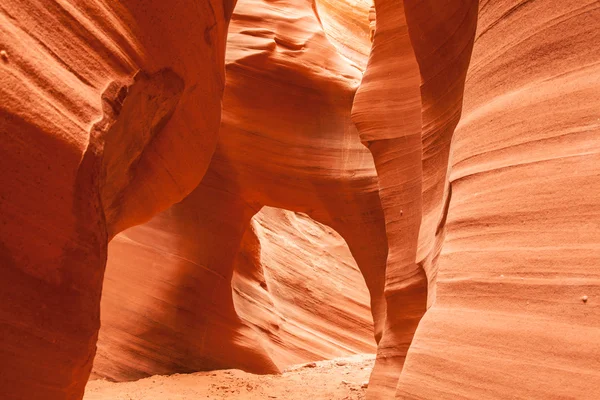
x=198, y=185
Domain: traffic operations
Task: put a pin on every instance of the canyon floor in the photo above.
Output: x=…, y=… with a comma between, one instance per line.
x=337, y=379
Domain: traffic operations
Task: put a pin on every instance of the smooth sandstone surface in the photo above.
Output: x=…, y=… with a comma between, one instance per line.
x=86, y=151
x=316, y=305
x=522, y=242
x=438, y=162
x=309, y=159
x=295, y=295
x=387, y=114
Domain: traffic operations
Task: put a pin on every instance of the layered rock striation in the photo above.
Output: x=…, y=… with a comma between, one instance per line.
x=109, y=114
x=450, y=165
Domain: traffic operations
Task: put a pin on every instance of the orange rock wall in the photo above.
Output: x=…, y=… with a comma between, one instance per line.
x=111, y=112
x=308, y=159
x=523, y=154
x=67, y=90
x=316, y=304
x=170, y=305
x=387, y=113
x=521, y=248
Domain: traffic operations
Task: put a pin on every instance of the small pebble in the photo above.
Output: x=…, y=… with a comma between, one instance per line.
x=310, y=365
x=4, y=55
x=365, y=385
x=340, y=363
x=584, y=299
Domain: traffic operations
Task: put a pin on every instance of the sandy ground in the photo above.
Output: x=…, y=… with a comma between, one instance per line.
x=338, y=379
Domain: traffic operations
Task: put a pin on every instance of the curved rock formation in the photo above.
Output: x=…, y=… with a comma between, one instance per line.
x=387, y=113
x=167, y=303
x=87, y=150
x=521, y=250
x=310, y=160
x=477, y=240
x=306, y=297
x=346, y=28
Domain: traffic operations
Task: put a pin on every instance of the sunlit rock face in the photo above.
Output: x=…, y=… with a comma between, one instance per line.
x=286, y=141
x=508, y=238
x=521, y=251
x=295, y=295
x=296, y=284
x=291, y=180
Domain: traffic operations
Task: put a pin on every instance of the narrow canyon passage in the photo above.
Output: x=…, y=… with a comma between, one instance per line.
x=290, y=292
x=404, y=190
x=181, y=316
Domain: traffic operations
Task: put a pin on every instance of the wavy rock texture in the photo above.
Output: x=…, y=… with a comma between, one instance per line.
x=87, y=150
x=310, y=160
x=111, y=113
x=346, y=27
x=306, y=297
x=406, y=110
x=387, y=113
x=521, y=248
x=167, y=303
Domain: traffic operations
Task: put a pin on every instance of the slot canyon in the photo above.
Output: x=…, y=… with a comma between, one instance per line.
x=299, y=199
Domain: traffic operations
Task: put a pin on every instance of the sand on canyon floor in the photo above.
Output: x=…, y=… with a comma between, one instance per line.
x=337, y=379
